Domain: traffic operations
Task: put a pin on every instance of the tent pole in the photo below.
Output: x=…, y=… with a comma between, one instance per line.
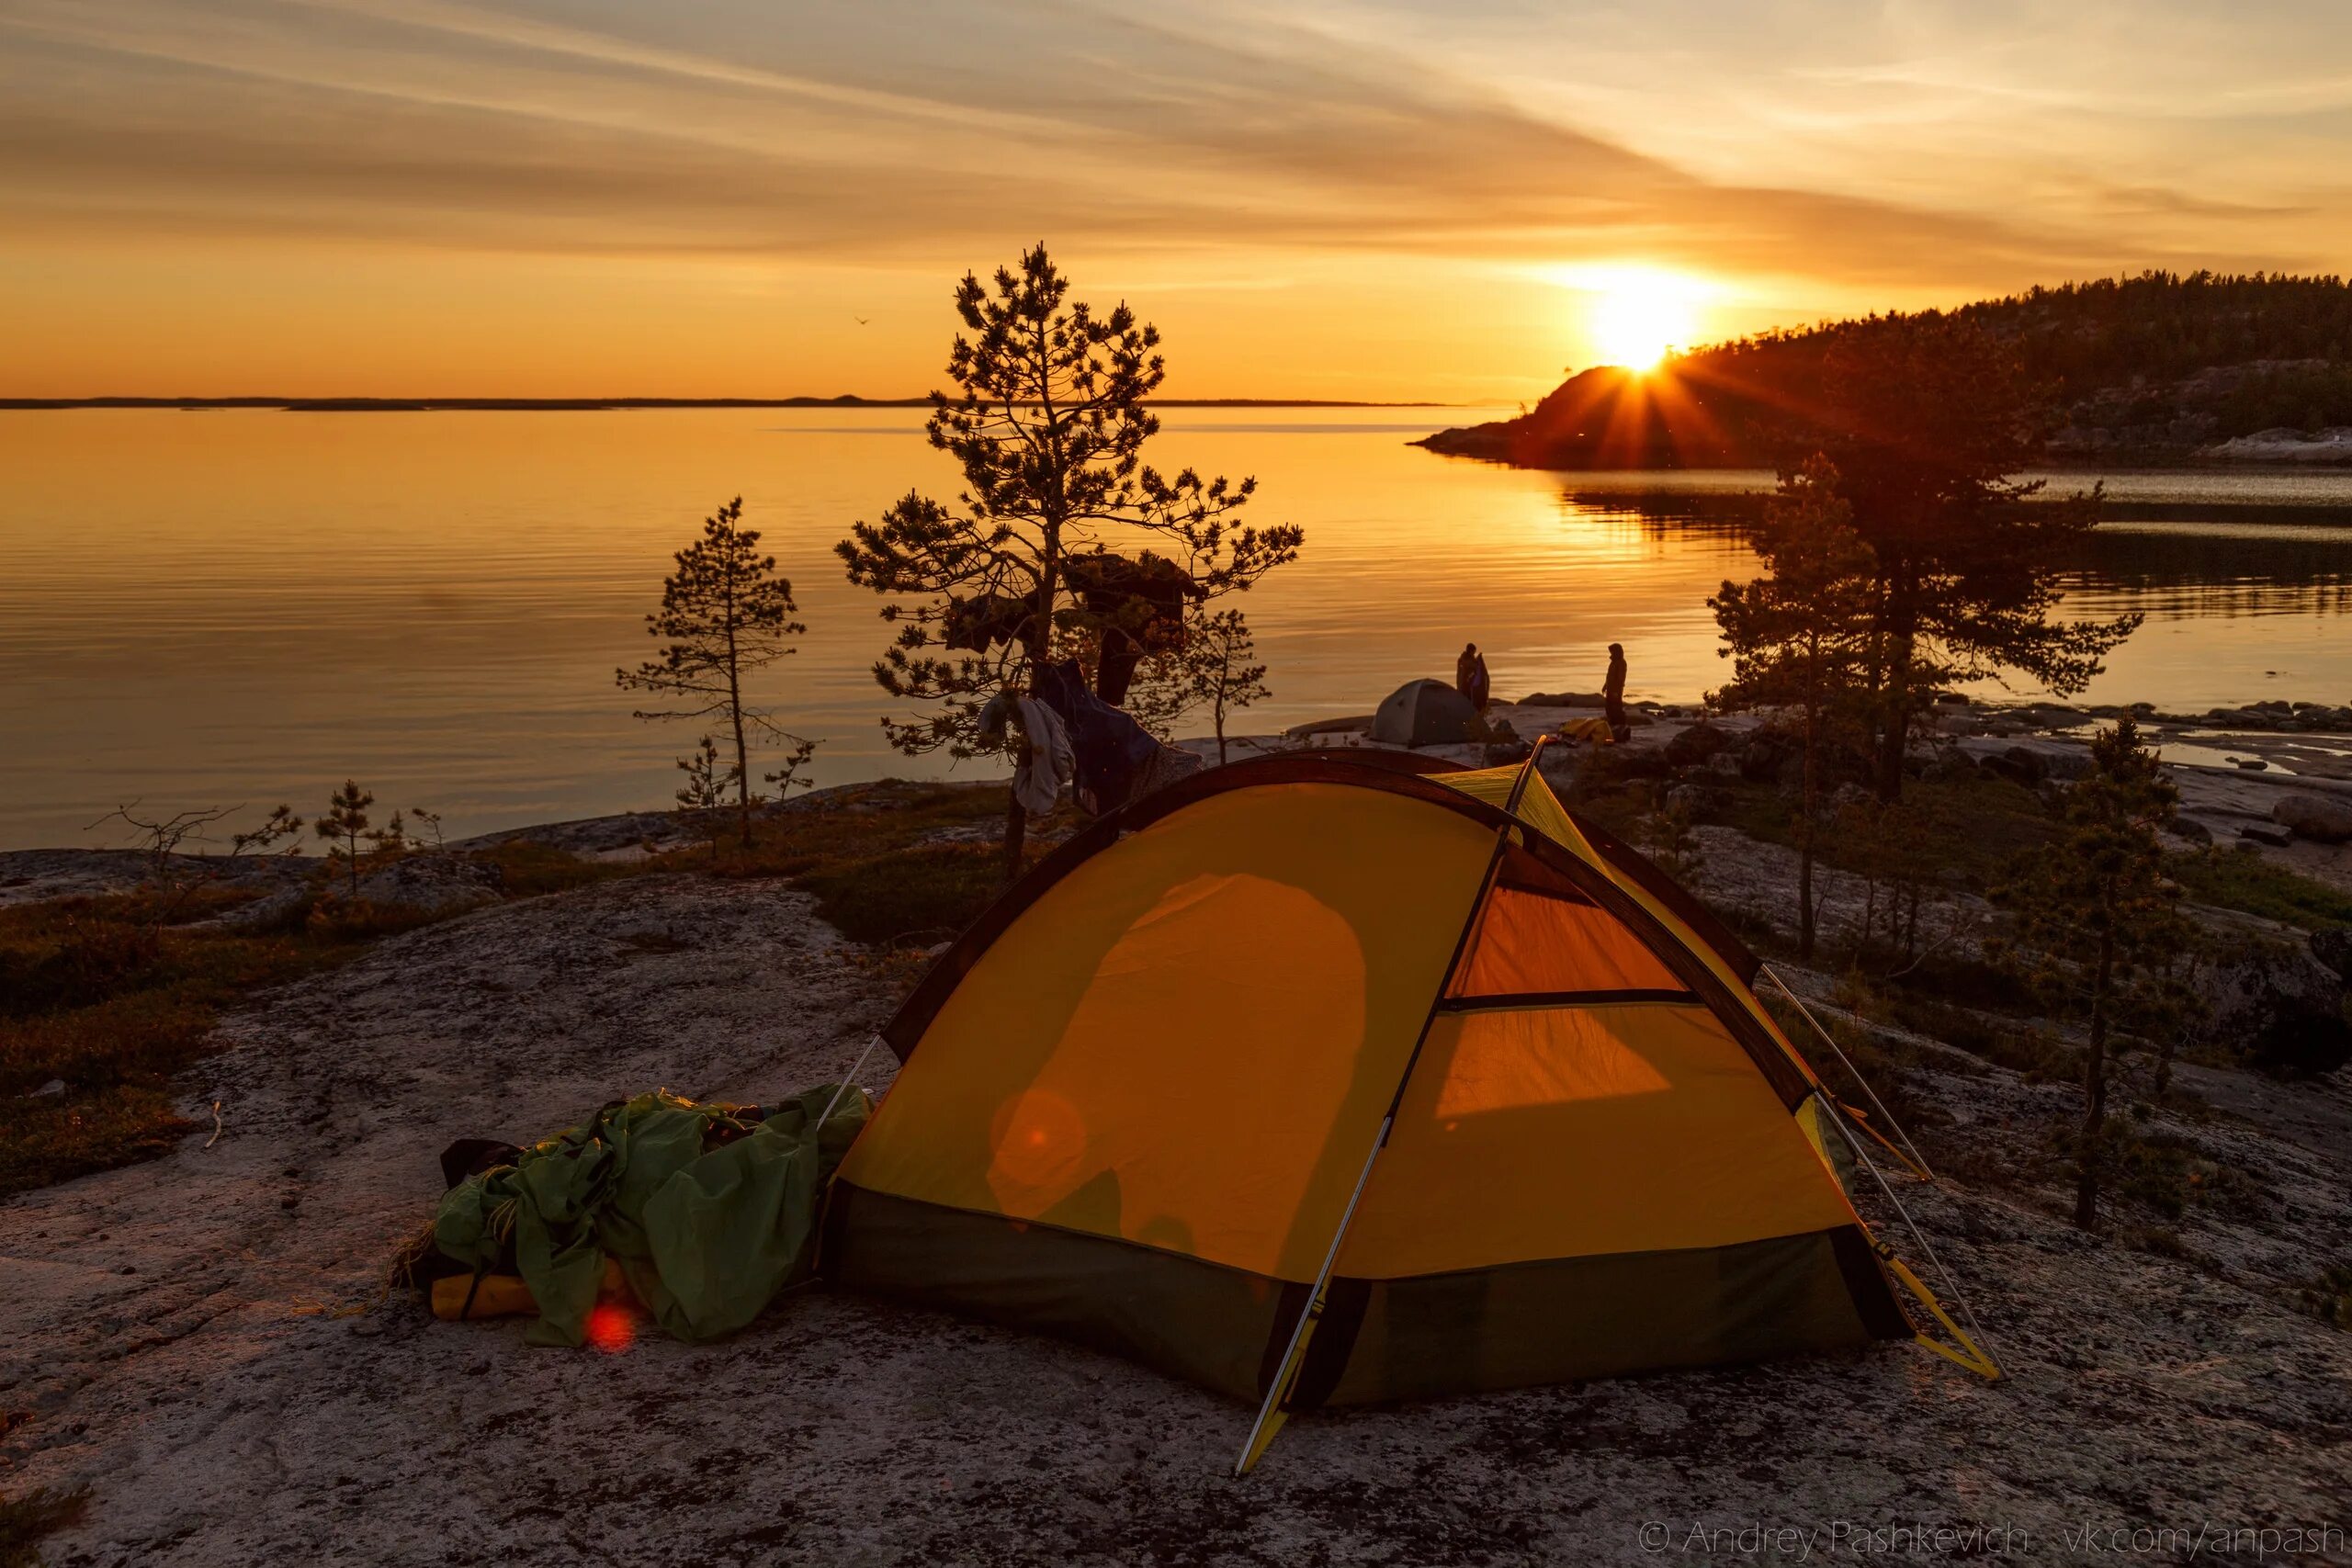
x=1283, y=1378
x=1783, y=986
x=843, y=1087
x=1926, y=1247
x=1526, y=771
x=1285, y=1372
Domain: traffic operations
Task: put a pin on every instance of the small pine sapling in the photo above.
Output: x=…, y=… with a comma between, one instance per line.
x=2099, y=923
x=705, y=791
x=1224, y=675
x=725, y=614
x=345, y=826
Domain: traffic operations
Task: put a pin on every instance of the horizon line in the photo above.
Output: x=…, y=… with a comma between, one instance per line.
x=367, y=404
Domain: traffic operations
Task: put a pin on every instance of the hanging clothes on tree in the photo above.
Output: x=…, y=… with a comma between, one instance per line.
x=1138, y=605
x=1037, y=782
x=1118, y=760
x=985, y=618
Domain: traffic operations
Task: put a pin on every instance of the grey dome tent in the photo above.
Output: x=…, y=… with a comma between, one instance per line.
x=1423, y=713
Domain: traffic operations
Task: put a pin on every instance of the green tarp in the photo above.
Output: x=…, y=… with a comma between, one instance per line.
x=708, y=1215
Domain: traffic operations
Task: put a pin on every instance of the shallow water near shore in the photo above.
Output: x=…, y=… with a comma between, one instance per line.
x=210, y=608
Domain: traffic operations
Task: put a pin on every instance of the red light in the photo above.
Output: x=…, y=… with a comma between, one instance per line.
x=611, y=1328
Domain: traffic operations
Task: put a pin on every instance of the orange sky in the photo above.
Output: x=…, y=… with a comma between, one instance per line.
x=557, y=197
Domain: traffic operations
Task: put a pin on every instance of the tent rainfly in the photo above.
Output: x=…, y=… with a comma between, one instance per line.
x=1323, y=1082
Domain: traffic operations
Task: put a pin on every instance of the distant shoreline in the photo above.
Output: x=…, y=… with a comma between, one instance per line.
x=559, y=405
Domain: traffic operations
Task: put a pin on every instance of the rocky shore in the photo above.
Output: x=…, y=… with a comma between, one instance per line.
x=2276, y=774
x=205, y=1341
x=2330, y=445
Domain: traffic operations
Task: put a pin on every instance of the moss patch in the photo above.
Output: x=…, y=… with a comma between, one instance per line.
x=893, y=865
x=2168, y=1175
x=2252, y=883
x=908, y=897
x=526, y=870
x=1968, y=831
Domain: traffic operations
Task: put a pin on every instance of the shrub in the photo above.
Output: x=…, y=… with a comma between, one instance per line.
x=103, y=1001
x=2169, y=1175
x=2302, y=1044
x=526, y=869
x=25, y=1520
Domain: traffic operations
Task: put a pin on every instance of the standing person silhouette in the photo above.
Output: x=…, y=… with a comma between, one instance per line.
x=1613, y=693
x=1470, y=676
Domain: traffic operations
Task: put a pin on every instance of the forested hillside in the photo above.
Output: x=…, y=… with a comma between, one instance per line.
x=2164, y=367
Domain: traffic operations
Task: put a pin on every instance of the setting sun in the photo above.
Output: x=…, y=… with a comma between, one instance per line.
x=1638, y=316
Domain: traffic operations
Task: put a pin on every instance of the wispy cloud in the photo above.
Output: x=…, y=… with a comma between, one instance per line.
x=1837, y=149
x=458, y=125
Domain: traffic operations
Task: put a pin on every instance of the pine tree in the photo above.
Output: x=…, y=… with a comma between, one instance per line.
x=1049, y=427
x=791, y=776
x=724, y=614
x=1219, y=670
x=1929, y=417
x=705, y=791
x=1800, y=635
x=344, y=823
x=2098, y=922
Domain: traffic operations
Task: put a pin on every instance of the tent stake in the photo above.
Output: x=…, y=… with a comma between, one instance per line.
x=1827, y=1038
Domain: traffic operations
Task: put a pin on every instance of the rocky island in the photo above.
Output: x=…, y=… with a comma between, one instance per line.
x=2149, y=371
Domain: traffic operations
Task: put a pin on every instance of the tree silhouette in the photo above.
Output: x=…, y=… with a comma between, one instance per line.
x=178, y=877
x=1048, y=427
x=724, y=614
x=1928, y=416
x=704, y=792
x=344, y=825
x=2077, y=340
x=1219, y=672
x=1800, y=635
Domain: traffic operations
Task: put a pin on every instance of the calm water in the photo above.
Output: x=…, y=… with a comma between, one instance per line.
x=202, y=608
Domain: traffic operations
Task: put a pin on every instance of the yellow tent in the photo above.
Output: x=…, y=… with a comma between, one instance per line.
x=1325, y=1081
